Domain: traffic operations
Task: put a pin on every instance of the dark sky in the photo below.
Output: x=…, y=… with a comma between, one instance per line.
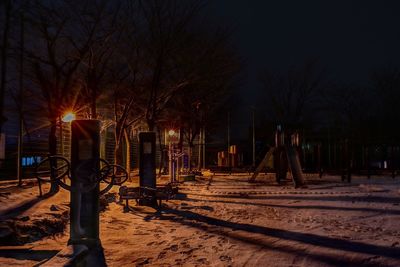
x=348, y=37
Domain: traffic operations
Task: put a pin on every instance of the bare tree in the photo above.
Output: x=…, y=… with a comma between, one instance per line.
x=156, y=32
x=293, y=96
x=97, y=62
x=214, y=67
x=385, y=84
x=59, y=42
x=165, y=24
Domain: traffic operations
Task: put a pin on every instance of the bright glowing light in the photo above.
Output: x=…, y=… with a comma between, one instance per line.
x=68, y=117
x=171, y=132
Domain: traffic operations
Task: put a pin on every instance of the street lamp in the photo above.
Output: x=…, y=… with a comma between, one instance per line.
x=171, y=133
x=171, y=156
x=68, y=117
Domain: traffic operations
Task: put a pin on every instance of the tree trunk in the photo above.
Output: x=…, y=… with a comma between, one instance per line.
x=162, y=154
x=53, y=151
x=119, y=131
x=151, y=124
x=127, y=152
x=93, y=109
x=199, y=154
x=190, y=155
x=118, y=153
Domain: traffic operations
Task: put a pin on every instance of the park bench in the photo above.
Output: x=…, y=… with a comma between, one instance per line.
x=165, y=192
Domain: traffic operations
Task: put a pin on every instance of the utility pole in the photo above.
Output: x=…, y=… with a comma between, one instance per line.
x=229, y=129
x=204, y=147
x=229, y=138
x=254, y=138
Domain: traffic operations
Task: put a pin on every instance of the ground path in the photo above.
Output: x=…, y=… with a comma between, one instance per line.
x=225, y=221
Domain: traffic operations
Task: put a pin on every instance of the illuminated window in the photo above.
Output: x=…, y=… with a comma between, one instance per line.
x=30, y=161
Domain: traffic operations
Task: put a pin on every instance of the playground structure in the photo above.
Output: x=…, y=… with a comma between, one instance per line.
x=148, y=193
x=85, y=171
x=230, y=159
x=286, y=158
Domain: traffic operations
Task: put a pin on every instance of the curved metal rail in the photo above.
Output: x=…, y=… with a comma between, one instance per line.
x=58, y=168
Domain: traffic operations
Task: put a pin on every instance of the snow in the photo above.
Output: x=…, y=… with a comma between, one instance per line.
x=225, y=221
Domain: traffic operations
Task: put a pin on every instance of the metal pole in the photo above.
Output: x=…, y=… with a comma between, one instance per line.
x=173, y=166
x=177, y=168
x=254, y=139
x=229, y=138
x=204, y=147
x=329, y=148
x=229, y=130
x=190, y=151
x=170, y=167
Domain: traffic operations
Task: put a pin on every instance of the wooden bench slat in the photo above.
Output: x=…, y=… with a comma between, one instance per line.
x=160, y=193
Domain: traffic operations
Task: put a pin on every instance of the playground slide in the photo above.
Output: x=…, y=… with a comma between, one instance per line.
x=295, y=166
x=263, y=164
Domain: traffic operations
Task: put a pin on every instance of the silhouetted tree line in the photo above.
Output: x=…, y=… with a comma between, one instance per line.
x=153, y=64
x=345, y=121
x=131, y=63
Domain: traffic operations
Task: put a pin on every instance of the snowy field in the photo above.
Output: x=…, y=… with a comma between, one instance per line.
x=221, y=221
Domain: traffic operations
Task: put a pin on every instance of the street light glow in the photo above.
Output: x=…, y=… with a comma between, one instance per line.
x=171, y=132
x=68, y=117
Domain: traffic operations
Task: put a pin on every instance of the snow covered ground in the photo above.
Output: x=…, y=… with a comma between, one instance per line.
x=224, y=221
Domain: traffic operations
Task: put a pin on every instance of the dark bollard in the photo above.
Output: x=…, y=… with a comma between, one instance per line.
x=85, y=165
x=147, y=163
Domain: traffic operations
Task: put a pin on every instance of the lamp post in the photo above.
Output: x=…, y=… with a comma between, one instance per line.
x=229, y=138
x=171, y=159
x=254, y=139
x=204, y=147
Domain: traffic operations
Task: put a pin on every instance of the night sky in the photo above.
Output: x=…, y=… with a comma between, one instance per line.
x=349, y=38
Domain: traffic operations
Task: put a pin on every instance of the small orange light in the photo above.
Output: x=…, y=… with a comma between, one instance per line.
x=68, y=117
x=171, y=132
